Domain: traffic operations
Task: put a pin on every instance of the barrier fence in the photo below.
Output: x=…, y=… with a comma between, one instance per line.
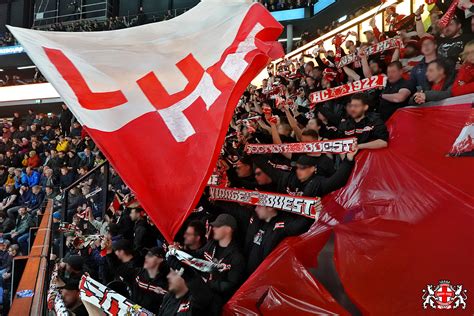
x=35, y=275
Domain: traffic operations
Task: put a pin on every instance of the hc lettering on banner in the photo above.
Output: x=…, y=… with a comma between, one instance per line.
x=171, y=107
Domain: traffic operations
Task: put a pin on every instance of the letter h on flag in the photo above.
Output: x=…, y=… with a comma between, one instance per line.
x=157, y=99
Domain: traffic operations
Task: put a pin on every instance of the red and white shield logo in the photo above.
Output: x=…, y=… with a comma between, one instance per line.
x=444, y=294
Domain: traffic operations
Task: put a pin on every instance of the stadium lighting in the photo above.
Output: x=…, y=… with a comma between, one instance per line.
x=284, y=39
x=25, y=67
x=365, y=16
x=342, y=18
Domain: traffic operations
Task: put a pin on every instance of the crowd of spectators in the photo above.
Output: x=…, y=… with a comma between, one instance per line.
x=7, y=39
x=41, y=156
x=113, y=22
x=276, y=5
x=15, y=80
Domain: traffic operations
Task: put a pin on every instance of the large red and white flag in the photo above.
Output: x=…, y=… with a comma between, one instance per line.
x=158, y=98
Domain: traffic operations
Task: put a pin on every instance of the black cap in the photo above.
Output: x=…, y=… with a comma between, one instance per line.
x=303, y=120
x=157, y=252
x=225, y=220
x=72, y=285
x=76, y=262
x=122, y=244
x=307, y=161
x=246, y=160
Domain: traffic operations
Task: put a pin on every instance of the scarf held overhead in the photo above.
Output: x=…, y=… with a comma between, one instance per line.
x=304, y=206
x=348, y=89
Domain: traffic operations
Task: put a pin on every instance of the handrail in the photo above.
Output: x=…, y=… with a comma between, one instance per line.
x=75, y=183
x=365, y=16
x=65, y=200
x=35, y=274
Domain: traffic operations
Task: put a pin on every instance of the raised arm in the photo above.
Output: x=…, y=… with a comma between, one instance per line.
x=365, y=63
x=293, y=123
x=340, y=177
x=420, y=27
x=351, y=73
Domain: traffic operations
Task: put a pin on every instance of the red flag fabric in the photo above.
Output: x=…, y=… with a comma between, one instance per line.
x=157, y=99
x=403, y=221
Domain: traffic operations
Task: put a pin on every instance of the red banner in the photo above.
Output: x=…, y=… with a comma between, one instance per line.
x=335, y=146
x=389, y=44
x=348, y=89
x=162, y=124
x=304, y=206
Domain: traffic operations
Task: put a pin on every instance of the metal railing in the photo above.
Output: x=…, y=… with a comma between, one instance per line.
x=97, y=11
x=94, y=188
x=130, y=19
x=33, y=271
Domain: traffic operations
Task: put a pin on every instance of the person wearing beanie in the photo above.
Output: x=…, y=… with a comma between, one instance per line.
x=71, y=269
x=72, y=299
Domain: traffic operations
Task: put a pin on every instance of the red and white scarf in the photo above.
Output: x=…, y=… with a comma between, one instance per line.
x=335, y=146
x=304, y=206
x=348, y=89
x=107, y=300
x=389, y=44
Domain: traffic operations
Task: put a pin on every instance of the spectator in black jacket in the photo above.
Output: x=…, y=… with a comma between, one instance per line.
x=121, y=258
x=5, y=278
x=266, y=229
x=72, y=299
x=71, y=269
x=66, y=178
x=65, y=120
x=74, y=162
x=4, y=243
x=141, y=231
x=124, y=223
x=6, y=223
x=242, y=176
x=3, y=175
x=76, y=129
x=194, y=236
x=87, y=158
x=305, y=181
x=368, y=128
x=188, y=294
x=148, y=283
x=396, y=93
x=225, y=251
